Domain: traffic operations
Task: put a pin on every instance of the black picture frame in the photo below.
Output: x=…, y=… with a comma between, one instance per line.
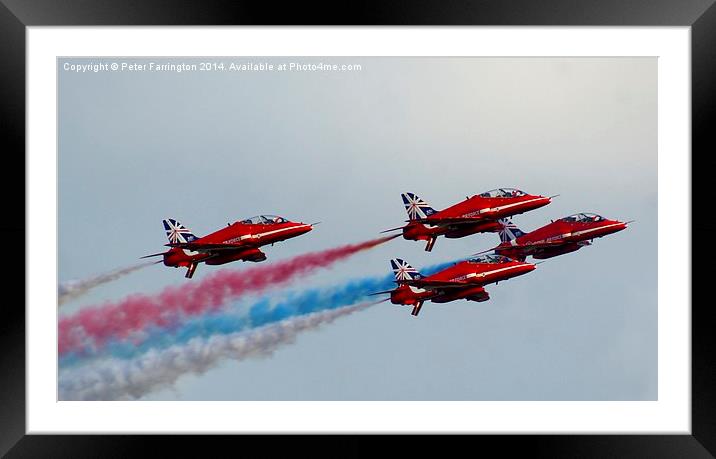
x=16, y=15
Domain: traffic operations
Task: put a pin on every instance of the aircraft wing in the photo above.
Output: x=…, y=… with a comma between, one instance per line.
x=543, y=245
x=442, y=222
x=451, y=221
x=434, y=285
x=205, y=247
x=381, y=292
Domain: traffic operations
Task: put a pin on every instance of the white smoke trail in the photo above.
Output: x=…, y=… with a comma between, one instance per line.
x=72, y=289
x=117, y=379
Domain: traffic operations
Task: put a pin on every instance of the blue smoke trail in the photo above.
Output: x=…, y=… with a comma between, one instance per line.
x=263, y=312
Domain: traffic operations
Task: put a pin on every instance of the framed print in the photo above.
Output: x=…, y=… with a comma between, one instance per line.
x=339, y=267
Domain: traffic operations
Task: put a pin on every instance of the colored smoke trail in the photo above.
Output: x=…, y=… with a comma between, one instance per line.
x=131, y=379
x=120, y=320
x=262, y=312
x=70, y=290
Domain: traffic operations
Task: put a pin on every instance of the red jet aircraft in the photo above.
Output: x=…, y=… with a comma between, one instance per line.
x=478, y=214
x=238, y=241
x=562, y=236
x=463, y=280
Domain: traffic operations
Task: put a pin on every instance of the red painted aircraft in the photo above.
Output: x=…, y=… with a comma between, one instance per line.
x=478, y=214
x=463, y=280
x=562, y=236
x=238, y=241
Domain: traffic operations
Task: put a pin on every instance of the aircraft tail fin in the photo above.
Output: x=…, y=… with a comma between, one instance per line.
x=403, y=271
x=177, y=233
x=416, y=207
x=508, y=230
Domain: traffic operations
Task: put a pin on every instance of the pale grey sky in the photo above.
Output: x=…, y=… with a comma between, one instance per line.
x=212, y=147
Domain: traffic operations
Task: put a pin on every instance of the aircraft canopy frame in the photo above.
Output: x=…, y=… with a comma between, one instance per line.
x=264, y=220
x=583, y=217
x=490, y=258
x=503, y=193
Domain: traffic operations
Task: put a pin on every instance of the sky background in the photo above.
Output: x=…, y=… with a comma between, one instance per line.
x=209, y=148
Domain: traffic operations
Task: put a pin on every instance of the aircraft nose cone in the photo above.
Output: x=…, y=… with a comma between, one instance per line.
x=524, y=268
x=619, y=225
x=298, y=229
x=541, y=201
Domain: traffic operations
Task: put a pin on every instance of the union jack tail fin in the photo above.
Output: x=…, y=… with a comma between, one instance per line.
x=176, y=232
x=508, y=230
x=403, y=271
x=416, y=207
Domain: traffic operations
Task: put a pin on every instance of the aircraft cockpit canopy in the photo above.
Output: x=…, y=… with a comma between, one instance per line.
x=503, y=193
x=490, y=258
x=583, y=218
x=264, y=220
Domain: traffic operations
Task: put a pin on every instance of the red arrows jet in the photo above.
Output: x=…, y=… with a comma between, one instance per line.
x=238, y=241
x=478, y=214
x=463, y=280
x=562, y=236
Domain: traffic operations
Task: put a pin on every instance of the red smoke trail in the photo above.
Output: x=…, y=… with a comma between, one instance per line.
x=119, y=320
